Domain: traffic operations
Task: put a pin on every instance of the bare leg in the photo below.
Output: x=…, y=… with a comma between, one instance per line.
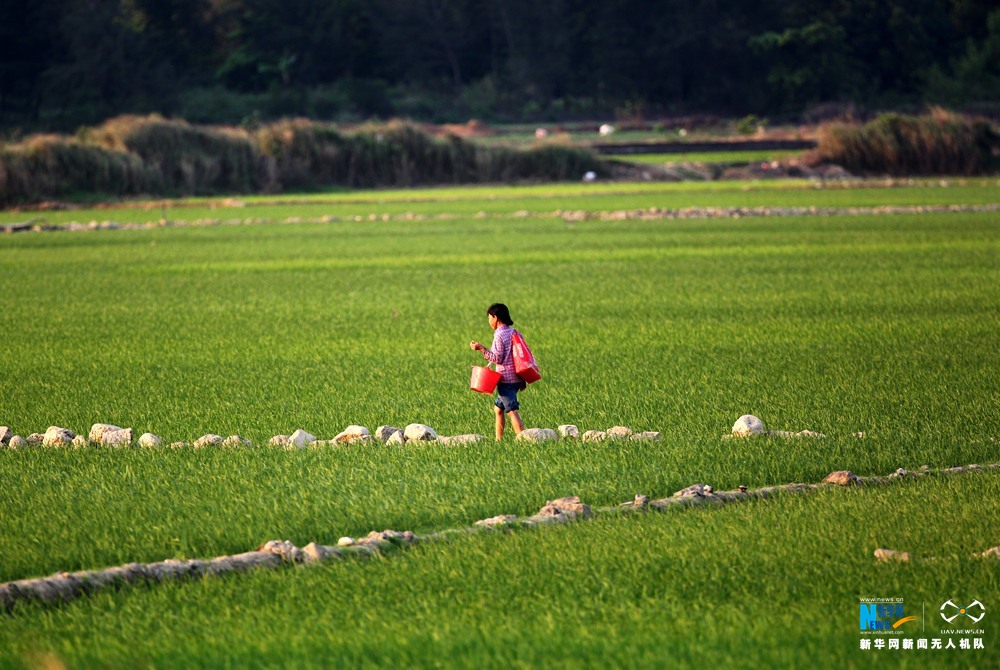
x=515, y=422
x=500, y=422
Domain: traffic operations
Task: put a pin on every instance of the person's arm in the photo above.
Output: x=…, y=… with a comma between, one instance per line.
x=494, y=355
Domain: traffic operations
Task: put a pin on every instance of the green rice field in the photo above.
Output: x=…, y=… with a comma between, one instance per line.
x=879, y=330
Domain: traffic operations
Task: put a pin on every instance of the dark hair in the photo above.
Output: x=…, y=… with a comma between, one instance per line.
x=500, y=311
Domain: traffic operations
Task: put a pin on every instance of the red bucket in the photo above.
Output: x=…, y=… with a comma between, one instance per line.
x=484, y=380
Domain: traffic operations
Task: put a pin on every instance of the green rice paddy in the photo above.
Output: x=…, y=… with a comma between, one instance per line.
x=883, y=325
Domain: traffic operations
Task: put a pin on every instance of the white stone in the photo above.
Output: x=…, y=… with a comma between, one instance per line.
x=415, y=432
x=383, y=433
x=150, y=440
x=460, y=440
x=619, y=432
x=208, y=440
x=606, y=129
x=569, y=431
x=536, y=435
x=648, y=436
x=748, y=424
x=17, y=442
x=301, y=438
x=396, y=439
x=117, y=438
x=345, y=541
x=98, y=429
x=178, y=445
x=280, y=441
x=352, y=434
x=79, y=442
x=58, y=437
x=236, y=441
x=5, y=434
x=594, y=436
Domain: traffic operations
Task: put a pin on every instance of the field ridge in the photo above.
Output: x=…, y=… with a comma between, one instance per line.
x=64, y=586
x=652, y=213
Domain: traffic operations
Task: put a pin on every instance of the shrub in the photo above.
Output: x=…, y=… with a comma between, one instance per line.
x=182, y=158
x=939, y=143
x=50, y=166
x=549, y=163
x=131, y=154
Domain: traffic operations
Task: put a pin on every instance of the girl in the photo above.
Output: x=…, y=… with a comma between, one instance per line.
x=502, y=354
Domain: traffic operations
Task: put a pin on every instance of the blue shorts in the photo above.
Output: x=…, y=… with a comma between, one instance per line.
x=507, y=396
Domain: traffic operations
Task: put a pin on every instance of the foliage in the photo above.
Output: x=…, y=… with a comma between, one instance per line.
x=130, y=155
x=937, y=143
x=509, y=59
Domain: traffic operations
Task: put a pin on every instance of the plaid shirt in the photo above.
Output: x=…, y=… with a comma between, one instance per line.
x=502, y=353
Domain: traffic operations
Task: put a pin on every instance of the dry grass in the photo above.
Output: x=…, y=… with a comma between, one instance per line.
x=939, y=143
x=130, y=155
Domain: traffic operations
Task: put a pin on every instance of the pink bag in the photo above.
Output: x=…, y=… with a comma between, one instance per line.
x=525, y=364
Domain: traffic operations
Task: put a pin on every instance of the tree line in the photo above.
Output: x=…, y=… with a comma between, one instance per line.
x=69, y=62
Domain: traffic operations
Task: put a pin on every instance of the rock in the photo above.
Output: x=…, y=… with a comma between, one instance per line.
x=647, y=436
x=117, y=438
x=693, y=491
x=419, y=432
x=79, y=442
x=236, y=441
x=352, y=434
x=314, y=552
x=383, y=433
x=285, y=549
x=98, y=429
x=58, y=437
x=747, y=425
x=841, y=478
x=280, y=441
x=887, y=555
x=461, y=440
x=992, y=552
x=35, y=439
x=594, y=436
x=345, y=541
x=178, y=445
x=17, y=442
x=208, y=440
x=537, y=435
x=619, y=432
x=640, y=500
x=301, y=438
x=570, y=506
x=396, y=439
x=809, y=433
x=569, y=431
x=149, y=440
x=497, y=520
x=5, y=434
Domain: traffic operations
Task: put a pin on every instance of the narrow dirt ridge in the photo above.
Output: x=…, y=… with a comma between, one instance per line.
x=65, y=587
